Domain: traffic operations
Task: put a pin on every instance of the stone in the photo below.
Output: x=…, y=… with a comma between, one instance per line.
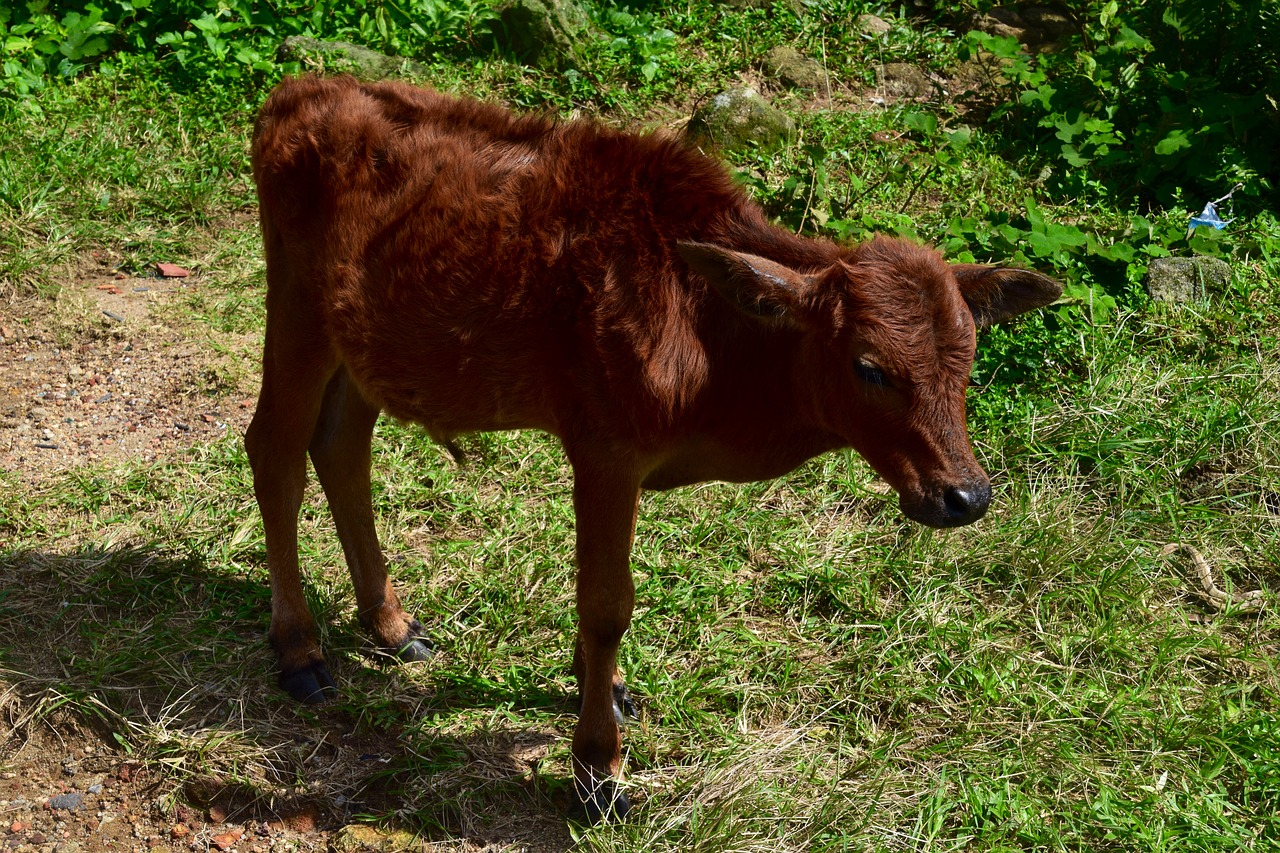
x=1037, y=27
x=542, y=33
x=792, y=68
x=72, y=802
x=357, y=838
x=898, y=81
x=341, y=57
x=873, y=25
x=739, y=119
x=1186, y=279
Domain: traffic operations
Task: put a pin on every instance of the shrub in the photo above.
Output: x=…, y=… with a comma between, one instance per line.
x=1167, y=101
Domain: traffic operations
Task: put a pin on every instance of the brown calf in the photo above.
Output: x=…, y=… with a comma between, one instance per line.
x=468, y=269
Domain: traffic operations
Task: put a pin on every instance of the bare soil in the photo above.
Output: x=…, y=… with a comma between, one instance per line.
x=111, y=373
x=115, y=369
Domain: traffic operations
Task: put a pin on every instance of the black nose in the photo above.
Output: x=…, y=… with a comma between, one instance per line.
x=967, y=505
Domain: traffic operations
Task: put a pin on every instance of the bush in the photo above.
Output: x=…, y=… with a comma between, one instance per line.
x=1171, y=102
x=219, y=42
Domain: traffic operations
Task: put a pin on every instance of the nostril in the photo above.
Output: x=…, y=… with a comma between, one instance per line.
x=958, y=502
x=966, y=505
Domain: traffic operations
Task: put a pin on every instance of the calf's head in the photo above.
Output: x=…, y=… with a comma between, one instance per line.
x=886, y=338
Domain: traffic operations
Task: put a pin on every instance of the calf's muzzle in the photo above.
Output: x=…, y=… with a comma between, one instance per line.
x=950, y=505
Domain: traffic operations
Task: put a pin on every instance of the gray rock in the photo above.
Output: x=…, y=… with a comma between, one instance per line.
x=740, y=119
x=72, y=801
x=542, y=32
x=340, y=57
x=1186, y=279
x=792, y=68
x=872, y=25
x=898, y=81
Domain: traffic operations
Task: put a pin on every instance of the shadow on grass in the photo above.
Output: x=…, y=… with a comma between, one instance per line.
x=169, y=655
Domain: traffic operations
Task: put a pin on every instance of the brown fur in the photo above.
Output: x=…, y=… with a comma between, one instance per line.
x=459, y=266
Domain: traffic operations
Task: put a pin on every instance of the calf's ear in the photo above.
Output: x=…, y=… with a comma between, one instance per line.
x=758, y=287
x=998, y=293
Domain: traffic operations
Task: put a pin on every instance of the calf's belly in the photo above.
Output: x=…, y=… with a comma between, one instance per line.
x=452, y=387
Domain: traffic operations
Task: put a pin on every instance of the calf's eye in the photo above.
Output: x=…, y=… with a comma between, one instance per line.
x=871, y=374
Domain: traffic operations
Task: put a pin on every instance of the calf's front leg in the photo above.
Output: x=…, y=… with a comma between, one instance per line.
x=606, y=494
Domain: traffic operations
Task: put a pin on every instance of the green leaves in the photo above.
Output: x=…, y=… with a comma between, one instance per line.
x=82, y=34
x=1177, y=140
x=638, y=37
x=1151, y=99
x=28, y=48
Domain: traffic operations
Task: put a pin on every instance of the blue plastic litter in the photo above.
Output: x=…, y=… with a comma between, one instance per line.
x=1209, y=216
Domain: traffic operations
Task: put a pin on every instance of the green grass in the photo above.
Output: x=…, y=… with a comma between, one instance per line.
x=814, y=672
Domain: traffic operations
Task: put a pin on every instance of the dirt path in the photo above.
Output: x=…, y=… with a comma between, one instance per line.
x=116, y=369
x=111, y=371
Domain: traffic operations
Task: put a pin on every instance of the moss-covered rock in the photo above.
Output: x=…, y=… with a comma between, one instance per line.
x=543, y=33
x=341, y=57
x=1186, y=279
x=358, y=838
x=739, y=119
x=898, y=81
x=792, y=68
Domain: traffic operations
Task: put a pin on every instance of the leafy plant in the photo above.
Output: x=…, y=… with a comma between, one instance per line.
x=639, y=40
x=43, y=44
x=1165, y=100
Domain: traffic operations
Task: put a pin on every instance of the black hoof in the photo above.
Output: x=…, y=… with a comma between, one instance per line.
x=603, y=802
x=311, y=686
x=415, y=647
x=623, y=708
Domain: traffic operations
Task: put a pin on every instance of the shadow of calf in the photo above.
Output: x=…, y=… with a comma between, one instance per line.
x=169, y=656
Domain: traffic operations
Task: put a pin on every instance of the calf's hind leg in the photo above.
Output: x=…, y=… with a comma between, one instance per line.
x=340, y=451
x=294, y=376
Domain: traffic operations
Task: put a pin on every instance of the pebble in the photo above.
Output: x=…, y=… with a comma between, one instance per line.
x=72, y=802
